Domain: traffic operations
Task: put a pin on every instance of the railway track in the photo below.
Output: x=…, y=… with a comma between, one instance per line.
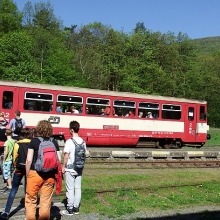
x=143, y=164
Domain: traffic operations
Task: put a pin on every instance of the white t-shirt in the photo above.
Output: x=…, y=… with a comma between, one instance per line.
x=76, y=111
x=70, y=149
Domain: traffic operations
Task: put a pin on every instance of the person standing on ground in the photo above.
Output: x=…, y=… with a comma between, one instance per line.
x=16, y=124
x=19, y=159
x=7, y=160
x=3, y=138
x=42, y=182
x=74, y=159
x=3, y=124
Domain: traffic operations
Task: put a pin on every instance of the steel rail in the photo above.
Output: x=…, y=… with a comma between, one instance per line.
x=156, y=162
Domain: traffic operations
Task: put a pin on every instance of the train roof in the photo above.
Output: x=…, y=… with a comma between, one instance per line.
x=96, y=91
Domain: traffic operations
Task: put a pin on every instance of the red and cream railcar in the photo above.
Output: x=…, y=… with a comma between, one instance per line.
x=108, y=118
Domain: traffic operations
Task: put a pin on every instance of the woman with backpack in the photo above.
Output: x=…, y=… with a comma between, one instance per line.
x=41, y=176
x=73, y=164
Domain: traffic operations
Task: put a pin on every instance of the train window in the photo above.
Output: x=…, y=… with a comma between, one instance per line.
x=202, y=114
x=124, y=108
x=97, y=106
x=69, y=99
x=7, y=101
x=35, y=101
x=170, y=111
x=191, y=114
x=38, y=96
x=69, y=104
x=148, y=110
x=172, y=107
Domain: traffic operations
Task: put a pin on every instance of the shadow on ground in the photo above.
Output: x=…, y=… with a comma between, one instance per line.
x=206, y=215
x=54, y=212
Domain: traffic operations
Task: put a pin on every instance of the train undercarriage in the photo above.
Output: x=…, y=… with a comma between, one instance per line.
x=165, y=143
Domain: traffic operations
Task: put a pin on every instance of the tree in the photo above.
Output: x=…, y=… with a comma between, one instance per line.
x=43, y=26
x=16, y=60
x=10, y=18
x=41, y=15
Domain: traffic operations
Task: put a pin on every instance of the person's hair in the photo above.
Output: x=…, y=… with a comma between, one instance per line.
x=33, y=132
x=72, y=107
x=17, y=113
x=44, y=129
x=8, y=132
x=25, y=133
x=2, y=114
x=74, y=125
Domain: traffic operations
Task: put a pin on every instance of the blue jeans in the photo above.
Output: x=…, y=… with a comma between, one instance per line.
x=17, y=177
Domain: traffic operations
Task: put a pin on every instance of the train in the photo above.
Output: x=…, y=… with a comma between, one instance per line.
x=108, y=118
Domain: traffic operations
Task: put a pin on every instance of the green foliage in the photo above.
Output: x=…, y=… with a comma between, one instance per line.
x=10, y=18
x=207, y=45
x=15, y=57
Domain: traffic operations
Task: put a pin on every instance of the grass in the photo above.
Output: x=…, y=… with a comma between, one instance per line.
x=141, y=190
x=215, y=137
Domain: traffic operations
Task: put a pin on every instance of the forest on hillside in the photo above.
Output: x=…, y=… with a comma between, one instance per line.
x=36, y=47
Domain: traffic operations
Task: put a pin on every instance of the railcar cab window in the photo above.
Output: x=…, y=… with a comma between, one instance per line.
x=149, y=110
x=98, y=106
x=124, y=108
x=7, y=101
x=170, y=111
x=69, y=104
x=191, y=114
x=35, y=101
x=202, y=113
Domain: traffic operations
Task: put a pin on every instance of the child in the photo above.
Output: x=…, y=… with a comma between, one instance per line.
x=74, y=156
x=19, y=173
x=7, y=160
x=3, y=124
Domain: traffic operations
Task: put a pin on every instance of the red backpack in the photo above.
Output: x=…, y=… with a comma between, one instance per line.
x=47, y=159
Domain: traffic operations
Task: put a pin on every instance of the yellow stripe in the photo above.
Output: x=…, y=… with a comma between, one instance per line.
x=195, y=152
x=156, y=153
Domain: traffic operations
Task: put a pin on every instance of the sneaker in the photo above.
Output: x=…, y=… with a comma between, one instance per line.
x=7, y=191
x=3, y=189
x=75, y=211
x=4, y=216
x=66, y=212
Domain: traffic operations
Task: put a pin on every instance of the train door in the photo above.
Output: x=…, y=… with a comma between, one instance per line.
x=190, y=123
x=9, y=101
x=201, y=125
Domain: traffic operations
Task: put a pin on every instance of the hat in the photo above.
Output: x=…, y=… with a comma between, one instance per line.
x=149, y=113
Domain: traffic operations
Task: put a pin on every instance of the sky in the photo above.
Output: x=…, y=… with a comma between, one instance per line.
x=196, y=18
